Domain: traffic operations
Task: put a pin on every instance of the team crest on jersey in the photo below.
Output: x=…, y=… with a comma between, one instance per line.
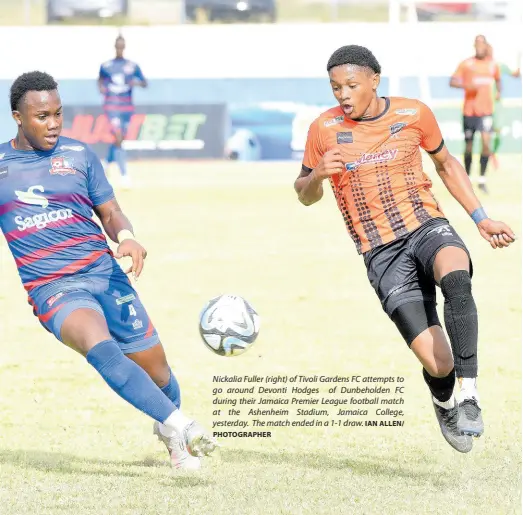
x=61, y=166
x=334, y=121
x=396, y=127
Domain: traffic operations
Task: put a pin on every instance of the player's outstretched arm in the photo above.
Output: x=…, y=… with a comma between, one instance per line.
x=309, y=184
x=456, y=180
x=118, y=227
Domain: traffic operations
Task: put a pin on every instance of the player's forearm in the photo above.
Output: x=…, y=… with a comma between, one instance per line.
x=456, y=83
x=458, y=183
x=309, y=189
x=114, y=223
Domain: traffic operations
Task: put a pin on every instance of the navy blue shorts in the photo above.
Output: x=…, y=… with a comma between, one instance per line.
x=106, y=289
x=119, y=121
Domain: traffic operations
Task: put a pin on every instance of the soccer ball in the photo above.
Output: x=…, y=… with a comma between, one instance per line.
x=229, y=325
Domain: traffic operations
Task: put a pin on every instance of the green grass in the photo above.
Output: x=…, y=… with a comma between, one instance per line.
x=68, y=445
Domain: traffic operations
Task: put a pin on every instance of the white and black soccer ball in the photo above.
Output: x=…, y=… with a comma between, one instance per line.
x=229, y=325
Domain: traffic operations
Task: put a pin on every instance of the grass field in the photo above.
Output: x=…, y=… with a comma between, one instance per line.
x=68, y=445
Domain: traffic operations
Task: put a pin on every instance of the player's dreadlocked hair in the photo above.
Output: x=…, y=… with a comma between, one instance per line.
x=31, y=81
x=355, y=55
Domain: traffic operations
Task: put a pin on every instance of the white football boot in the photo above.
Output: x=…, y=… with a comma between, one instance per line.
x=181, y=460
x=199, y=443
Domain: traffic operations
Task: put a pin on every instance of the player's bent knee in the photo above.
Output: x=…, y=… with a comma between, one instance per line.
x=450, y=259
x=456, y=284
x=84, y=328
x=413, y=318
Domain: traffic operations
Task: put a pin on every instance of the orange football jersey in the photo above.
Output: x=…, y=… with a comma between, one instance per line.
x=479, y=75
x=383, y=192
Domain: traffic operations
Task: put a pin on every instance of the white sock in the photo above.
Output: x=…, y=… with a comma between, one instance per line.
x=446, y=404
x=167, y=431
x=175, y=421
x=469, y=388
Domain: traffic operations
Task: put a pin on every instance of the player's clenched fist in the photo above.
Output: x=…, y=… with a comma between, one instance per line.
x=498, y=234
x=330, y=164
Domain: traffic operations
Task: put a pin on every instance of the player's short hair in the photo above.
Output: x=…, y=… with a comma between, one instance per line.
x=355, y=55
x=30, y=81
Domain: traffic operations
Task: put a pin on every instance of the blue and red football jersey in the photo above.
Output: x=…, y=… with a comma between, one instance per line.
x=46, y=209
x=118, y=75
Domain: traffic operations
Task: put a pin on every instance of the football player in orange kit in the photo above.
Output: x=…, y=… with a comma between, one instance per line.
x=368, y=149
x=477, y=76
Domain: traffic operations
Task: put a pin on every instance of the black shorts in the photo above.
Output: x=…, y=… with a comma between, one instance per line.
x=473, y=124
x=402, y=271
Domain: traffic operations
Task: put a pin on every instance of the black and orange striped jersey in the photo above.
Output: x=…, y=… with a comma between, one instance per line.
x=383, y=193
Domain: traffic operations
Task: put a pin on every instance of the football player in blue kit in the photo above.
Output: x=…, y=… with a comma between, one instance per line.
x=50, y=185
x=116, y=81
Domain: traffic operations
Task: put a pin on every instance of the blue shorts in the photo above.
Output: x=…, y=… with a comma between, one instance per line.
x=119, y=121
x=106, y=289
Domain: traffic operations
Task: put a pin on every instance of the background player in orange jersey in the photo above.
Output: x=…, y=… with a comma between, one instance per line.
x=368, y=148
x=478, y=76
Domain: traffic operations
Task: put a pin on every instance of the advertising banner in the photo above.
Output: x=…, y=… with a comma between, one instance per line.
x=158, y=131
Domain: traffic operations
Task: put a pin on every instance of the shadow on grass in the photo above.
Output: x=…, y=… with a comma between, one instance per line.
x=387, y=466
x=363, y=465
x=63, y=463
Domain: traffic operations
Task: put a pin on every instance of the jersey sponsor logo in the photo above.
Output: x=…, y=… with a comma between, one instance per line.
x=30, y=197
x=344, y=137
x=39, y=220
x=396, y=127
x=137, y=324
x=375, y=157
x=61, y=166
x=406, y=112
x=4, y=172
x=334, y=121
x=118, y=84
x=483, y=81
x=74, y=148
x=42, y=220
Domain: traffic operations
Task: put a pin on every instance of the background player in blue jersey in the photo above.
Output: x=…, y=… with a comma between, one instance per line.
x=116, y=81
x=49, y=188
